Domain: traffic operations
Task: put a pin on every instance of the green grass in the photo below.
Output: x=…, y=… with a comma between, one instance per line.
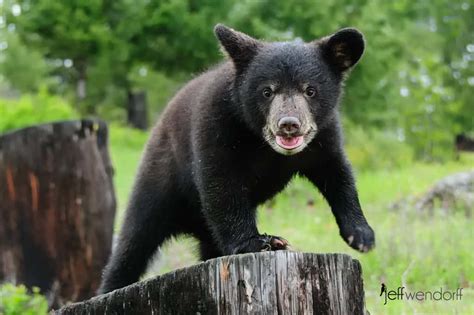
x=420, y=251
x=126, y=146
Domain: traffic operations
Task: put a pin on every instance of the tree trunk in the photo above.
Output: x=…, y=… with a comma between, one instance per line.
x=137, y=113
x=57, y=207
x=279, y=282
x=81, y=92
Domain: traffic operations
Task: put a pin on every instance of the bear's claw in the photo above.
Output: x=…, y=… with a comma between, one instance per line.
x=262, y=243
x=359, y=237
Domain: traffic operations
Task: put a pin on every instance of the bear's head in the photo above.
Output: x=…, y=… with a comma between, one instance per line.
x=288, y=91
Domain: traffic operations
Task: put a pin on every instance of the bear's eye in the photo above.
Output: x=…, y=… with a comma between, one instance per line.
x=310, y=92
x=267, y=92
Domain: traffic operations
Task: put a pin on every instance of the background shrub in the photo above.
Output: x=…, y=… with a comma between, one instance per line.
x=16, y=300
x=31, y=109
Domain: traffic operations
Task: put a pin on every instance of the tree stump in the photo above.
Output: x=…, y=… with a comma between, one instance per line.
x=279, y=282
x=57, y=207
x=137, y=112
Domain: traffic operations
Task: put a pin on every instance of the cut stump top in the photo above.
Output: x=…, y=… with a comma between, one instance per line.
x=281, y=282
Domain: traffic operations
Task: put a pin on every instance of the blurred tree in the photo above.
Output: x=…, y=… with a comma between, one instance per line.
x=102, y=40
x=178, y=34
x=94, y=40
x=71, y=32
x=23, y=68
x=414, y=82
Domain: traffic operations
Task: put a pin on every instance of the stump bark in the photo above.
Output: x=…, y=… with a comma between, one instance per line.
x=279, y=282
x=57, y=207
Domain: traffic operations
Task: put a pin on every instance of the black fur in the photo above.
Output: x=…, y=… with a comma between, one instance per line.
x=207, y=165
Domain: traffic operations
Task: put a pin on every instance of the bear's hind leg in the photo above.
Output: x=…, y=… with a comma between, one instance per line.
x=148, y=223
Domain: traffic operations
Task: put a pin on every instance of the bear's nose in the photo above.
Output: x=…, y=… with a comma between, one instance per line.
x=289, y=125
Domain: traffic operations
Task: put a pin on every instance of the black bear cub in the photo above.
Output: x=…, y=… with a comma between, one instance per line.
x=231, y=139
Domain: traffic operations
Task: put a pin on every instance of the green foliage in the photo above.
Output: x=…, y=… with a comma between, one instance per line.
x=16, y=300
x=24, y=68
x=67, y=30
x=375, y=149
x=33, y=109
x=126, y=146
x=414, y=81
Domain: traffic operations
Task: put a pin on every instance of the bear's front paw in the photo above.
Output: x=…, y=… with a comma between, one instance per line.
x=261, y=243
x=361, y=237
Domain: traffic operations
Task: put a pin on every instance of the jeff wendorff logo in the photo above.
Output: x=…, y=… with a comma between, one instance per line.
x=401, y=294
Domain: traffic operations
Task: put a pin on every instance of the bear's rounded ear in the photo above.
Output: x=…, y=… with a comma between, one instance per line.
x=344, y=48
x=240, y=47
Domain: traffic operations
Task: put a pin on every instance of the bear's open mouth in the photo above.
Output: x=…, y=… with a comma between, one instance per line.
x=289, y=143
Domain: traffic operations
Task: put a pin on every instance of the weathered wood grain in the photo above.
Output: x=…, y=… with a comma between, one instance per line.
x=281, y=282
x=57, y=207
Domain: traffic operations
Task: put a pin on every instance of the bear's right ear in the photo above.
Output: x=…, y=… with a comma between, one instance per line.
x=240, y=47
x=344, y=48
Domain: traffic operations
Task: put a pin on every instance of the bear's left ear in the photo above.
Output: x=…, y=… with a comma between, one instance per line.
x=344, y=48
x=240, y=47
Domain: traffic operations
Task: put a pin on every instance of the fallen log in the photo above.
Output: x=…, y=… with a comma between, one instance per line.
x=281, y=282
x=455, y=191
